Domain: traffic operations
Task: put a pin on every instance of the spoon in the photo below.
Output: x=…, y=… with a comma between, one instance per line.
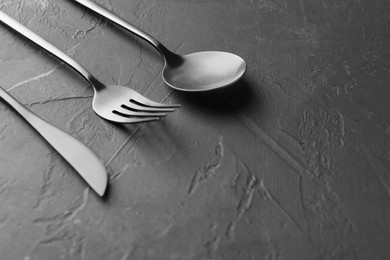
x=195, y=72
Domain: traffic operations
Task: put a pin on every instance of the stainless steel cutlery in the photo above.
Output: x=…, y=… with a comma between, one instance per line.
x=196, y=72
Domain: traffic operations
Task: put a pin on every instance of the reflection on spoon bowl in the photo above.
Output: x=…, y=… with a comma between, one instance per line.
x=202, y=71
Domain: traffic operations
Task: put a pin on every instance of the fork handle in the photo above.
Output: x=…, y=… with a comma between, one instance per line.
x=79, y=156
x=45, y=45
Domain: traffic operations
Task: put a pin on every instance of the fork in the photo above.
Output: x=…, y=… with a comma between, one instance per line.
x=117, y=104
x=79, y=156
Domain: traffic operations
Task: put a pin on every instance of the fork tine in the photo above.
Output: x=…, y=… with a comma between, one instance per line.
x=147, y=102
x=136, y=107
x=142, y=100
x=119, y=118
x=130, y=112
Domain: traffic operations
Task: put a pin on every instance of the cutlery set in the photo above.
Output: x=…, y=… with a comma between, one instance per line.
x=196, y=72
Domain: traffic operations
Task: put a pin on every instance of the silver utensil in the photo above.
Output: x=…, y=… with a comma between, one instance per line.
x=114, y=103
x=79, y=156
x=200, y=71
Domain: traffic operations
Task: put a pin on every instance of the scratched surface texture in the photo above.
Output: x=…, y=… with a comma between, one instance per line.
x=292, y=162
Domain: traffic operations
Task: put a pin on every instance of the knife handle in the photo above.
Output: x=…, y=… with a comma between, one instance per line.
x=79, y=156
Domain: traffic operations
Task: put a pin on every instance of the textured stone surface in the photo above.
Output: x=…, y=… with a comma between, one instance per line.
x=293, y=162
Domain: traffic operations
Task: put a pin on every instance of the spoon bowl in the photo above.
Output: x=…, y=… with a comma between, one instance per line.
x=202, y=71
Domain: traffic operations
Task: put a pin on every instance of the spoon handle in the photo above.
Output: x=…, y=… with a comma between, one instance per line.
x=124, y=24
x=23, y=30
x=82, y=159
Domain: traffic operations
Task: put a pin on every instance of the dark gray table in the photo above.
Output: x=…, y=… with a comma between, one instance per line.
x=292, y=162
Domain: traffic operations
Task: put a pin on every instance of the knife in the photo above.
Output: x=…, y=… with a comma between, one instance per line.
x=79, y=156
